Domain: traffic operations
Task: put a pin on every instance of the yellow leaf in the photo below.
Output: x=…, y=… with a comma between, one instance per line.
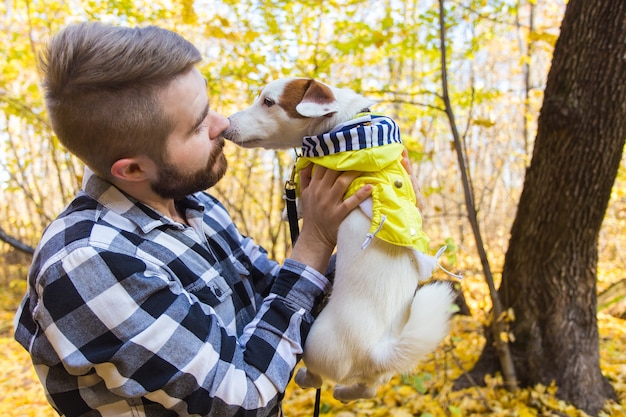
x=526, y=412
x=510, y=313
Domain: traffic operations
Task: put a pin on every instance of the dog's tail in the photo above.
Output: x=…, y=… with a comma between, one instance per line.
x=426, y=327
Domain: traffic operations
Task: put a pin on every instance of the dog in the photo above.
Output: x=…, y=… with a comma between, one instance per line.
x=379, y=320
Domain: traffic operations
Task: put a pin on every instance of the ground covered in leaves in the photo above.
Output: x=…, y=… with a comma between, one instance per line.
x=427, y=392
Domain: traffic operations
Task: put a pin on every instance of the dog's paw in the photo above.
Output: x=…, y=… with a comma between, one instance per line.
x=306, y=379
x=349, y=393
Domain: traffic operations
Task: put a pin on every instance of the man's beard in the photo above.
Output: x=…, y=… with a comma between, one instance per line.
x=175, y=184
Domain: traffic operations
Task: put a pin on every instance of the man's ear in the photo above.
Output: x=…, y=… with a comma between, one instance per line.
x=132, y=169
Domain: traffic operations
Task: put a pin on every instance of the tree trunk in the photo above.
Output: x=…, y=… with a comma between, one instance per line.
x=549, y=276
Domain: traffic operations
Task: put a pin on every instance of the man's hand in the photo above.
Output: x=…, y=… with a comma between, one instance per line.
x=409, y=169
x=323, y=209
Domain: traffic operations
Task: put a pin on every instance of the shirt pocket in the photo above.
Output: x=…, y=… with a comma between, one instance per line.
x=213, y=292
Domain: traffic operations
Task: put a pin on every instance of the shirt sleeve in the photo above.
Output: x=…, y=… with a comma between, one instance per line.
x=127, y=322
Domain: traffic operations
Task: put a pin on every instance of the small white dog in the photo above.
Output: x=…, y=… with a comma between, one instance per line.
x=378, y=321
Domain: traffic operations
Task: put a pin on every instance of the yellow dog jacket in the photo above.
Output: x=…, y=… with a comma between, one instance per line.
x=371, y=144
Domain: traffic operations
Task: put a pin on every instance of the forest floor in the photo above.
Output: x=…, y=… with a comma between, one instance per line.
x=427, y=392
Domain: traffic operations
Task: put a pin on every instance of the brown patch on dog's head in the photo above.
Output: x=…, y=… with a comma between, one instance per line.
x=304, y=90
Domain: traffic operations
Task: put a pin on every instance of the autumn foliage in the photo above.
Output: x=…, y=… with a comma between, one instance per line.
x=499, y=54
x=427, y=392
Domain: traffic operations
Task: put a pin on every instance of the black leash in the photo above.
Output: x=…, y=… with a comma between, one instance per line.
x=290, y=199
x=318, y=396
x=294, y=230
x=292, y=210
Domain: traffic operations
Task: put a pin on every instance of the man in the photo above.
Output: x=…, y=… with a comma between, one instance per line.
x=143, y=297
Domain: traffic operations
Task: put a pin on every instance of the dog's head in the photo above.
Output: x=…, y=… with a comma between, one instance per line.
x=289, y=109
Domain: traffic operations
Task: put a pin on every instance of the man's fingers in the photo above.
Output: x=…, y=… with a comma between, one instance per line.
x=342, y=180
x=358, y=197
x=406, y=163
x=305, y=176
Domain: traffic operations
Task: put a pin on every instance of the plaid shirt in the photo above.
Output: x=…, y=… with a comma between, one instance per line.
x=129, y=313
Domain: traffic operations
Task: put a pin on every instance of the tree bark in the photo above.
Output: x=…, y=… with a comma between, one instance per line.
x=549, y=275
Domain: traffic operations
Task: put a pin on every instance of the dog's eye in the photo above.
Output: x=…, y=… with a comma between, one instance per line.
x=268, y=102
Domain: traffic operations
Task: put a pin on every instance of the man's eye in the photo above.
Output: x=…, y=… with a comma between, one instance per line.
x=268, y=102
x=200, y=128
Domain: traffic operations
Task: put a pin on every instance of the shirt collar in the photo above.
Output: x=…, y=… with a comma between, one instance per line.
x=115, y=200
x=365, y=131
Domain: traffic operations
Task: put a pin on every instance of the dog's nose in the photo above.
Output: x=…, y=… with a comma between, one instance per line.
x=228, y=133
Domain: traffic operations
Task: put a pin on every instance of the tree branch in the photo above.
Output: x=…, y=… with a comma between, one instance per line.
x=498, y=325
x=16, y=243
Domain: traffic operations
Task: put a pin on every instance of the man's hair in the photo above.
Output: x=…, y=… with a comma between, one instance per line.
x=102, y=86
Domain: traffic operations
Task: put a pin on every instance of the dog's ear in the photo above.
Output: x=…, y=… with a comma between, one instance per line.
x=318, y=101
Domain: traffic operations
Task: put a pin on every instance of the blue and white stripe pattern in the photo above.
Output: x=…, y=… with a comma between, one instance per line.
x=367, y=131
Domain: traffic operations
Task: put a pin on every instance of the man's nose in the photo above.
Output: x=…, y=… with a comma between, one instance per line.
x=219, y=124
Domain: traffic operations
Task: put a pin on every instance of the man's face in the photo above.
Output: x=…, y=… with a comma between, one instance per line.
x=175, y=183
x=194, y=158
